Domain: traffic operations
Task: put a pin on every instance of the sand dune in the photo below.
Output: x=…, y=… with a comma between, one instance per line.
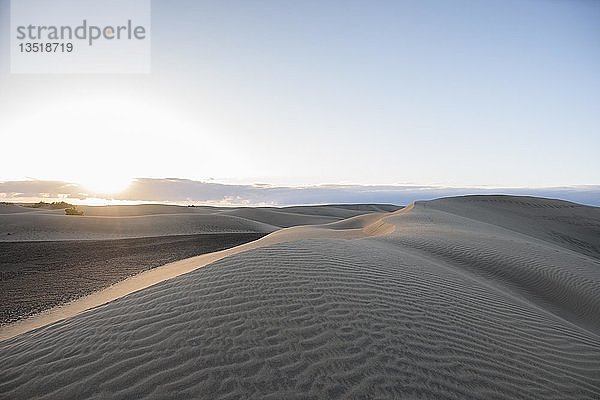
x=35, y=226
x=146, y=209
x=280, y=219
x=310, y=215
x=475, y=297
x=36, y=276
x=44, y=262
x=363, y=226
x=566, y=224
x=15, y=209
x=119, y=222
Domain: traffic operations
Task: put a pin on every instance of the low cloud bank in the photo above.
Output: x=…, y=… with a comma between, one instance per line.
x=184, y=191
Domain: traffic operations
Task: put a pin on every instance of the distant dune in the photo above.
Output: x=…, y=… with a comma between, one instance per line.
x=120, y=222
x=479, y=297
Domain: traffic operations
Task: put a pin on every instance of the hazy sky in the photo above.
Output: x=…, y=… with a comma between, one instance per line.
x=456, y=93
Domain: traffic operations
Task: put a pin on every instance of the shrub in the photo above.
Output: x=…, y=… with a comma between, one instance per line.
x=73, y=211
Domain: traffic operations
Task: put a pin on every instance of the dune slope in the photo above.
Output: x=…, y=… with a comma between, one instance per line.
x=37, y=276
x=446, y=305
x=48, y=259
x=121, y=222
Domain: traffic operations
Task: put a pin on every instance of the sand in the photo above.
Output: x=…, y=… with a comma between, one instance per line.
x=121, y=222
x=51, y=268
x=36, y=276
x=474, y=297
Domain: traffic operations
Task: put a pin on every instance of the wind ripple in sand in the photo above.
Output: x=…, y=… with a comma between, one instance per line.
x=440, y=309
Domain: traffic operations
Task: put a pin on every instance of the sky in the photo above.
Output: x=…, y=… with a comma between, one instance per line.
x=497, y=94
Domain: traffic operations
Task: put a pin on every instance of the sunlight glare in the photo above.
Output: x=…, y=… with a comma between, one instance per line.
x=105, y=185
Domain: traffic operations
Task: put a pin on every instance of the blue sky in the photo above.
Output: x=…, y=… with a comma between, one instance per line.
x=450, y=93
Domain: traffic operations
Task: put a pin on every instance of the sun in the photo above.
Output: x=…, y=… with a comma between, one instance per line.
x=105, y=185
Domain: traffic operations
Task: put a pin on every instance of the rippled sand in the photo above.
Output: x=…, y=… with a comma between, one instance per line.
x=486, y=297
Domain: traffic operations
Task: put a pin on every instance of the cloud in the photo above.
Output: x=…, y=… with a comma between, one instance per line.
x=41, y=189
x=184, y=191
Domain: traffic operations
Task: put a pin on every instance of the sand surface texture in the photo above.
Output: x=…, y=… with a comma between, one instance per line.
x=36, y=275
x=465, y=298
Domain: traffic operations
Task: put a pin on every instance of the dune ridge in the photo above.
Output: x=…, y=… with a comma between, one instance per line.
x=126, y=222
x=456, y=298
x=67, y=257
x=362, y=226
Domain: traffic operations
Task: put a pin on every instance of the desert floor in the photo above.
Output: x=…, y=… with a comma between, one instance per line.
x=479, y=297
